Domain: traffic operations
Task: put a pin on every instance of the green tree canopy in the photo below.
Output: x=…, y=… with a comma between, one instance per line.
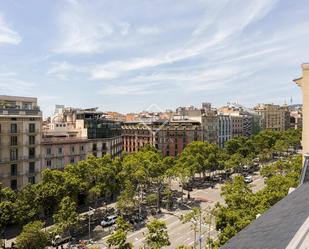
x=32, y=236
x=157, y=236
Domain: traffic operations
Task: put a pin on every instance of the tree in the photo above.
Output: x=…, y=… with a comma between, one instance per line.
x=28, y=207
x=193, y=217
x=7, y=207
x=66, y=217
x=32, y=236
x=118, y=239
x=198, y=157
x=198, y=217
x=157, y=236
x=242, y=205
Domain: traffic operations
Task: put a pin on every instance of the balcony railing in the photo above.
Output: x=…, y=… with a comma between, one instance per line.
x=35, y=131
x=22, y=158
x=20, y=111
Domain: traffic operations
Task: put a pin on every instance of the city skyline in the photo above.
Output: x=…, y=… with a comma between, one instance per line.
x=126, y=56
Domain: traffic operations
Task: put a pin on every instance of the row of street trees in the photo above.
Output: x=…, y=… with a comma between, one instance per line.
x=138, y=180
x=242, y=205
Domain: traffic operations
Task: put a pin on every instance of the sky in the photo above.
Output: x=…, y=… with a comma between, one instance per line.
x=128, y=55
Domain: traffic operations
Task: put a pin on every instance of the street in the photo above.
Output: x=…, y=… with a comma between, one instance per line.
x=183, y=234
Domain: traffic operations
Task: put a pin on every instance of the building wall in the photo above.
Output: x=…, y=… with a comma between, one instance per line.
x=56, y=153
x=274, y=117
x=304, y=84
x=237, y=125
x=20, y=149
x=170, y=138
x=224, y=129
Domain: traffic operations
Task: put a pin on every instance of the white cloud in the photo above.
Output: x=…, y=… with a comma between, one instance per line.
x=126, y=89
x=80, y=31
x=148, y=30
x=7, y=34
x=62, y=69
x=11, y=84
x=220, y=27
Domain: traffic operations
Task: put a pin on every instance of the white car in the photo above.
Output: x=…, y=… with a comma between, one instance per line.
x=248, y=179
x=109, y=220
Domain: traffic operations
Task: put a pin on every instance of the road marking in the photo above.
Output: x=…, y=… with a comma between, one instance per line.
x=203, y=191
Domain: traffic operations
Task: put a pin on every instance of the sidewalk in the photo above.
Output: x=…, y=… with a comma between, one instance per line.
x=8, y=242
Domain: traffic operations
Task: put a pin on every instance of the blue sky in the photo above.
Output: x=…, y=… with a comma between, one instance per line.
x=125, y=55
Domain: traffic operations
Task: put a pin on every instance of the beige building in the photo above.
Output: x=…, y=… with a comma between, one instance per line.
x=303, y=82
x=273, y=117
x=73, y=134
x=20, y=141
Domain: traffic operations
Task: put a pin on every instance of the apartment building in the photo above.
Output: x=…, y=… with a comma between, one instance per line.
x=273, y=117
x=73, y=134
x=244, y=120
x=303, y=83
x=296, y=116
x=169, y=137
x=206, y=115
x=210, y=125
x=224, y=129
x=20, y=141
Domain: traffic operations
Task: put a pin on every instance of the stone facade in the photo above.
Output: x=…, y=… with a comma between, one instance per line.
x=303, y=82
x=274, y=117
x=20, y=141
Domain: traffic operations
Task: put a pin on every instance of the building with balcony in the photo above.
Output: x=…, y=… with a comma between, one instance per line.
x=168, y=137
x=210, y=124
x=274, y=117
x=73, y=134
x=20, y=141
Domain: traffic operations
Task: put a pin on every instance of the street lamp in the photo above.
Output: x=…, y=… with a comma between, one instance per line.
x=89, y=225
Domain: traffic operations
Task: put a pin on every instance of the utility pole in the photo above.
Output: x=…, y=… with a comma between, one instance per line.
x=200, y=237
x=89, y=225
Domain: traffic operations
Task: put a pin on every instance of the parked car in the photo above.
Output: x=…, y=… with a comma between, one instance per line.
x=59, y=240
x=245, y=168
x=248, y=179
x=109, y=220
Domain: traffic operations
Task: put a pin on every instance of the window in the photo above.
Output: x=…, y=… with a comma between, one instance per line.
x=13, y=169
x=72, y=149
x=31, y=127
x=48, y=151
x=103, y=146
x=31, y=167
x=31, y=140
x=60, y=163
x=13, y=154
x=31, y=179
x=31, y=153
x=13, y=140
x=14, y=184
x=72, y=160
x=81, y=148
x=13, y=128
x=48, y=163
x=94, y=147
x=60, y=150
